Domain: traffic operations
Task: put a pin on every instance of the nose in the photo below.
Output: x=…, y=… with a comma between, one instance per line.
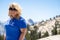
x=12, y=12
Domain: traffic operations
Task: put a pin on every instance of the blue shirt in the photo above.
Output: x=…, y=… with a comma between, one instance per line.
x=13, y=27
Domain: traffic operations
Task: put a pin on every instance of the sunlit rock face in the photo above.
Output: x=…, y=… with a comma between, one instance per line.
x=48, y=25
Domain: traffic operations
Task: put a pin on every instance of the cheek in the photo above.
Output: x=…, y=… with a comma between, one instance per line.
x=14, y=13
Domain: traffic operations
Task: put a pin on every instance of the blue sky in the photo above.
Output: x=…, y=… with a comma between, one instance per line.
x=37, y=10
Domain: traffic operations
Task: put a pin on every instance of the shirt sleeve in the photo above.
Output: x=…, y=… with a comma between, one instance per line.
x=22, y=24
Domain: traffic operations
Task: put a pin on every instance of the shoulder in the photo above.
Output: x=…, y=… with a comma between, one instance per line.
x=21, y=19
x=22, y=23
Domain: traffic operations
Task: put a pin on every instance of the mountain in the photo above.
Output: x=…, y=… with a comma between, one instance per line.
x=46, y=28
x=31, y=22
x=47, y=25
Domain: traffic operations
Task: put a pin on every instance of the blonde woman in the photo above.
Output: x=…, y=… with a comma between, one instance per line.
x=16, y=26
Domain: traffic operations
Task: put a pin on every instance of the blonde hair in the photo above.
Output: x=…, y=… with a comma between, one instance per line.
x=16, y=6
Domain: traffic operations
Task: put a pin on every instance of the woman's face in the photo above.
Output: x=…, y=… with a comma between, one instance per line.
x=13, y=13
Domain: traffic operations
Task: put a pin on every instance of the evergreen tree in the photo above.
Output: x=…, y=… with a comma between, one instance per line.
x=46, y=34
x=54, y=31
x=39, y=35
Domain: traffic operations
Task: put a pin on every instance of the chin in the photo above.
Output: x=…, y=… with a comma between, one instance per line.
x=11, y=17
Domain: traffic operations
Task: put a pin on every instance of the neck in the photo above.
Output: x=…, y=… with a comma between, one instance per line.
x=18, y=17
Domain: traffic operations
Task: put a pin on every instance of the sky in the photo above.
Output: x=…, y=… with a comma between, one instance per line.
x=36, y=10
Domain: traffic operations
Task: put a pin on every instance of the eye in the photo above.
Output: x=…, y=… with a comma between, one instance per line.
x=13, y=9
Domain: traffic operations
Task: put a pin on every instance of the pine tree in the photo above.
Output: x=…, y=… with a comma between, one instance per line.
x=46, y=34
x=54, y=31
